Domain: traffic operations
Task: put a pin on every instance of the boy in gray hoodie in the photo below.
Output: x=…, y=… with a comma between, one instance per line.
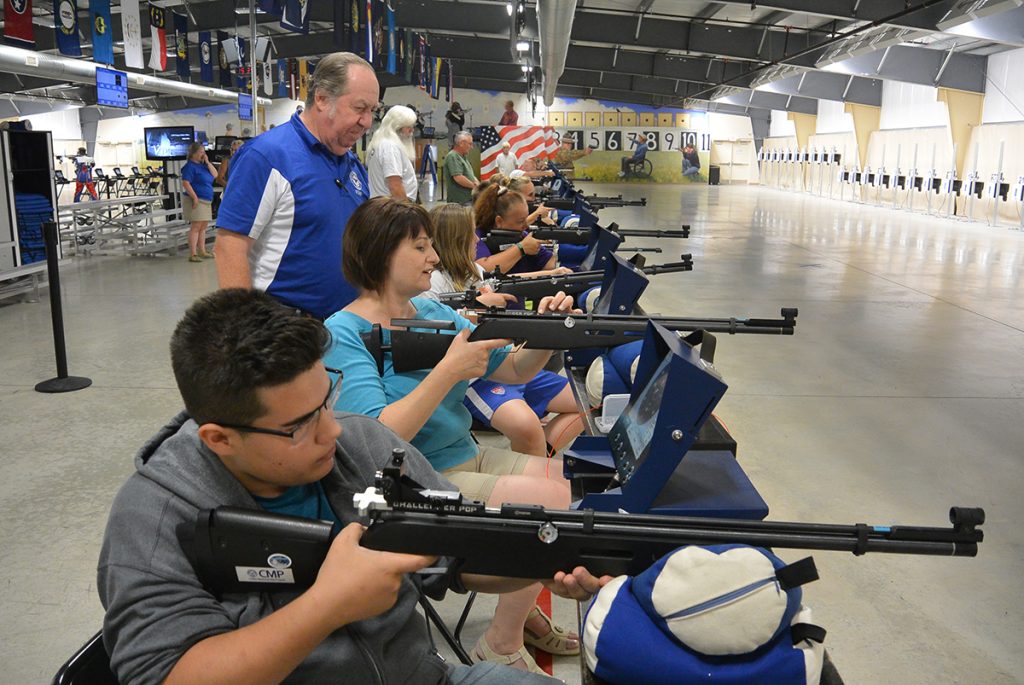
x=258, y=432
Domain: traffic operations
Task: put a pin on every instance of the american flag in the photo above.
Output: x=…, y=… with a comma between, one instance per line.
x=527, y=142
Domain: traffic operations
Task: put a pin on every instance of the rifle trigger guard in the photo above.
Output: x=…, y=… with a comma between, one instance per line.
x=547, y=533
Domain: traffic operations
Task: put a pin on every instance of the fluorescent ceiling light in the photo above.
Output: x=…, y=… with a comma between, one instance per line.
x=524, y=68
x=522, y=46
x=508, y=8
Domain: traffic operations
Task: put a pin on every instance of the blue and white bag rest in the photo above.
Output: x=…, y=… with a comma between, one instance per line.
x=728, y=614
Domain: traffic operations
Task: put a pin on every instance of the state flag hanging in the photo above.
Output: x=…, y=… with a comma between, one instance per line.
x=222, y=59
x=295, y=16
x=131, y=29
x=368, y=31
x=341, y=33
x=244, y=68
x=293, y=79
x=303, y=80
x=378, y=13
x=205, y=57
x=392, y=42
x=435, y=79
x=18, y=22
x=65, y=26
x=184, y=68
x=282, y=78
x=359, y=27
x=102, y=35
x=268, y=79
x=158, y=38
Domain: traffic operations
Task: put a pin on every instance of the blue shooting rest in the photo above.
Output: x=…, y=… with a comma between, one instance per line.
x=648, y=449
x=603, y=242
x=621, y=288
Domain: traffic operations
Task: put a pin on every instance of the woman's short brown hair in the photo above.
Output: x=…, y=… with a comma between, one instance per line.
x=374, y=232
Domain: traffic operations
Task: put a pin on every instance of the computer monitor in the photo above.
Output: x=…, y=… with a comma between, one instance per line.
x=111, y=88
x=245, y=106
x=201, y=137
x=224, y=142
x=167, y=143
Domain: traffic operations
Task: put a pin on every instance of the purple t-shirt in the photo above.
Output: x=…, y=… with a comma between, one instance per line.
x=526, y=263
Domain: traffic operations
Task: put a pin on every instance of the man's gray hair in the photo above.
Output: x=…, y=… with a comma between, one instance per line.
x=461, y=135
x=331, y=75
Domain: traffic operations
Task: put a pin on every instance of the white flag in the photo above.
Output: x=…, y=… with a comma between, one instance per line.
x=268, y=79
x=131, y=27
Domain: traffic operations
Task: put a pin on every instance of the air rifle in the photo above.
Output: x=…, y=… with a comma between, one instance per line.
x=498, y=239
x=518, y=540
x=573, y=284
x=594, y=201
x=425, y=347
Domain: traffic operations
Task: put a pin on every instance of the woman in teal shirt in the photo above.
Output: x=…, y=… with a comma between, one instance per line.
x=388, y=257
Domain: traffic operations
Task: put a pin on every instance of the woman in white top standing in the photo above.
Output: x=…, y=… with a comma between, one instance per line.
x=390, y=155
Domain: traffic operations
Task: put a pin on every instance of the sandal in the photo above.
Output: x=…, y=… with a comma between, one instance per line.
x=557, y=640
x=520, y=660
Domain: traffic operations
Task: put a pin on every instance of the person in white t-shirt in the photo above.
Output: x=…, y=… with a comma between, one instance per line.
x=390, y=154
x=506, y=161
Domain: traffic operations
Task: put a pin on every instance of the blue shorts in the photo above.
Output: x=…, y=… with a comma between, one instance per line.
x=484, y=397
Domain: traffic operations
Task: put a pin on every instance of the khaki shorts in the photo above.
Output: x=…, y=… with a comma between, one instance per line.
x=204, y=212
x=475, y=478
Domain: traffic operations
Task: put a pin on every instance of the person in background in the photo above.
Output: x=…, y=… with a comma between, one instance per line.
x=459, y=179
x=247, y=133
x=388, y=255
x=539, y=214
x=229, y=129
x=691, y=163
x=293, y=189
x=510, y=117
x=455, y=120
x=500, y=208
x=197, y=199
x=516, y=411
x=506, y=161
x=536, y=167
x=566, y=157
x=225, y=165
x=83, y=175
x=390, y=154
x=639, y=154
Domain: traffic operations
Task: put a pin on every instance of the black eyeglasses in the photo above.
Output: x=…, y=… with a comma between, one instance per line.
x=304, y=425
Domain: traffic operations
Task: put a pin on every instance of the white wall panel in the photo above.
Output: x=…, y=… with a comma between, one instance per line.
x=780, y=125
x=908, y=105
x=832, y=118
x=1004, y=90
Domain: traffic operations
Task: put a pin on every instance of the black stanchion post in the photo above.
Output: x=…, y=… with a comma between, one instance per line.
x=63, y=382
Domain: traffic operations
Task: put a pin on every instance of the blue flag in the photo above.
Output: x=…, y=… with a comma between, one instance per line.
x=205, y=57
x=181, y=46
x=392, y=42
x=102, y=38
x=295, y=16
x=282, y=78
x=65, y=25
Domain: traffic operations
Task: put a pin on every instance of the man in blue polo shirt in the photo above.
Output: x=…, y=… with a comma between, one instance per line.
x=293, y=189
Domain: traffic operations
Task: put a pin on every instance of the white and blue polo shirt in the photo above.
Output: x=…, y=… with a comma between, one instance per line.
x=293, y=196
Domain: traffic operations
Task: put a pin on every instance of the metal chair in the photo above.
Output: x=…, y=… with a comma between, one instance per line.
x=90, y=665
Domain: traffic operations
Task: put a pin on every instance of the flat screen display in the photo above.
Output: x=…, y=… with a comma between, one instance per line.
x=245, y=107
x=224, y=142
x=635, y=427
x=168, y=142
x=111, y=88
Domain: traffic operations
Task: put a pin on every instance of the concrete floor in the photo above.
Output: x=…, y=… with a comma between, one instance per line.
x=901, y=394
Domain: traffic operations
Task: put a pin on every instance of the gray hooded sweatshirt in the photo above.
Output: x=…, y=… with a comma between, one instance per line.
x=156, y=608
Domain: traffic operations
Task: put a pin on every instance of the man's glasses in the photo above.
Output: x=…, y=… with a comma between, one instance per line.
x=306, y=424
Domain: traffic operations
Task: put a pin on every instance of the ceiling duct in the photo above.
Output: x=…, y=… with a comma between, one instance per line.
x=868, y=42
x=29, y=63
x=554, y=24
x=996, y=20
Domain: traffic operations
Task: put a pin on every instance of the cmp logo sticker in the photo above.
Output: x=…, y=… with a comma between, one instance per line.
x=498, y=390
x=19, y=6
x=205, y=50
x=258, y=574
x=101, y=25
x=278, y=560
